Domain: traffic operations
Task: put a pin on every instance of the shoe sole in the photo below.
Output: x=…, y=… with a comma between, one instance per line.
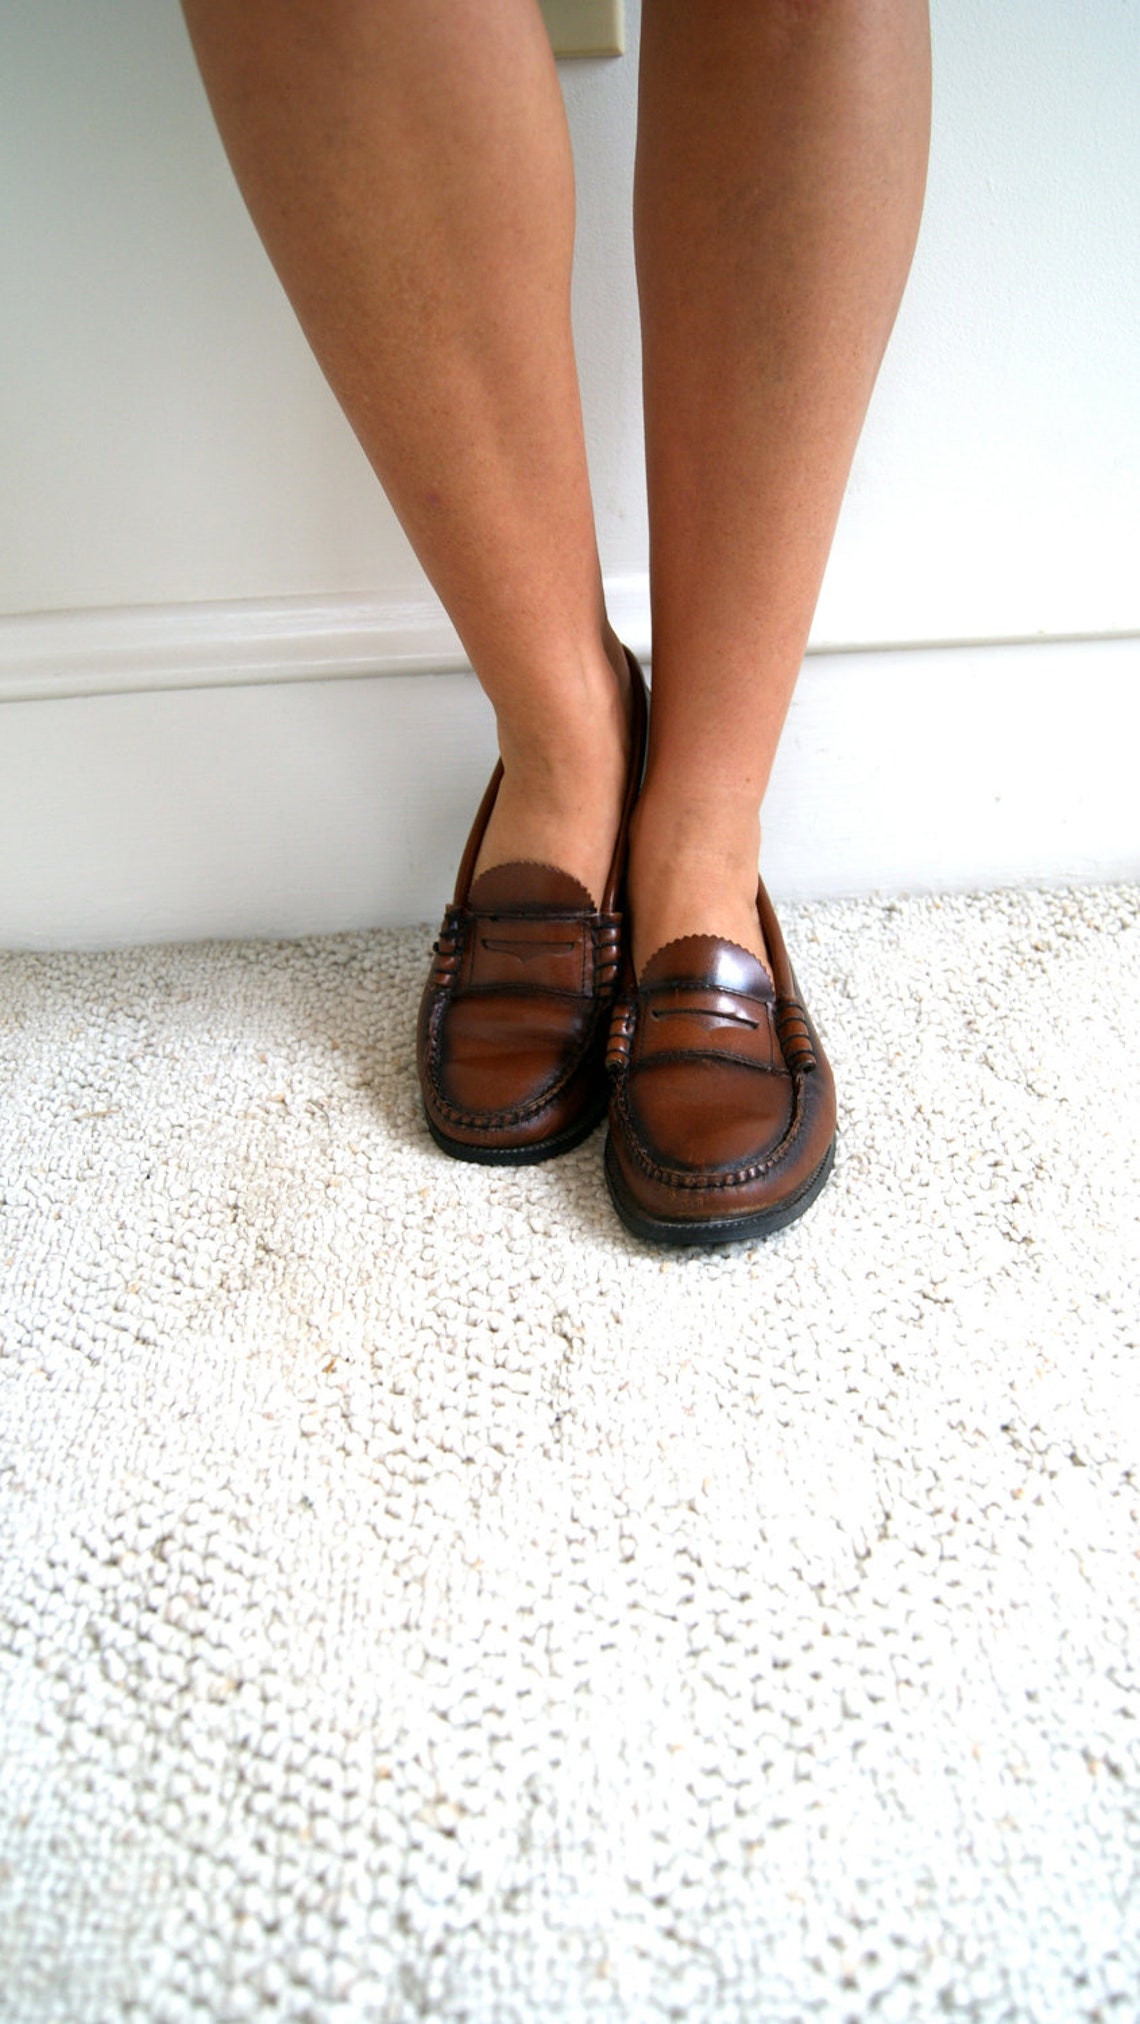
x=681, y=1232
x=520, y=1156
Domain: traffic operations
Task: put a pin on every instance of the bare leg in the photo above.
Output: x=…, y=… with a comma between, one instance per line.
x=409, y=170
x=781, y=164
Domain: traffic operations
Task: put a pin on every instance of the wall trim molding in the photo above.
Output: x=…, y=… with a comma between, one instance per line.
x=150, y=648
x=267, y=807
x=133, y=649
x=244, y=642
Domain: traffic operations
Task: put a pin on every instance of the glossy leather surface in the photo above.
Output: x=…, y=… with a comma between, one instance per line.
x=722, y=1112
x=515, y=1014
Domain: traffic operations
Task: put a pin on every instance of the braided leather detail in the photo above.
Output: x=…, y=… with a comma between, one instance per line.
x=792, y=1028
x=607, y=953
x=448, y=950
x=621, y=1035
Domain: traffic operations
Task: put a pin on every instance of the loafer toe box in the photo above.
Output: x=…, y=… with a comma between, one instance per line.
x=504, y=1059
x=722, y=1107
x=709, y=1116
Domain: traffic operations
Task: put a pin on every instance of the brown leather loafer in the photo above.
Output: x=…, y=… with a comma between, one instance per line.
x=722, y=1107
x=515, y=1014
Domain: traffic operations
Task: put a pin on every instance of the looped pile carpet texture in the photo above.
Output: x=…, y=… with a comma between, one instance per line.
x=420, y=1600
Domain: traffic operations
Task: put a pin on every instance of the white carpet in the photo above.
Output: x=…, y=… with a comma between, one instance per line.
x=420, y=1600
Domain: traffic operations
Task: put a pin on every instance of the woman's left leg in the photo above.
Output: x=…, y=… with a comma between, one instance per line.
x=781, y=161
x=780, y=170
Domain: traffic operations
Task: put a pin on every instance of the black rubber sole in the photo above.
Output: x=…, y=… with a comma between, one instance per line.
x=686, y=1233
x=521, y=1156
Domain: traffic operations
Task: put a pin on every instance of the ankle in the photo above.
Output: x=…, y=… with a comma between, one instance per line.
x=574, y=732
x=565, y=763
x=693, y=872
x=561, y=770
x=720, y=836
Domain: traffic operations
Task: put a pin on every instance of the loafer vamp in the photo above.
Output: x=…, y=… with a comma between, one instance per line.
x=708, y=1115
x=722, y=1112
x=502, y=1054
x=514, y=1017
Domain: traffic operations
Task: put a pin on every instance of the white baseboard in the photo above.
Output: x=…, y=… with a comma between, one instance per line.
x=276, y=770
x=47, y=656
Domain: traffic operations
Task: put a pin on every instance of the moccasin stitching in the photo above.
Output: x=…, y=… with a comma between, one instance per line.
x=501, y=1120
x=498, y=1120
x=703, y=1180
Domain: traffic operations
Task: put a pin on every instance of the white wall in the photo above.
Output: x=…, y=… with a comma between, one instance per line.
x=167, y=440
x=166, y=435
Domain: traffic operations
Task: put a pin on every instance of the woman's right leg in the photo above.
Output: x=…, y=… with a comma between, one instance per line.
x=408, y=168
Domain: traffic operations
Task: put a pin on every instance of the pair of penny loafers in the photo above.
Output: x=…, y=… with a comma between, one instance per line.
x=532, y=1026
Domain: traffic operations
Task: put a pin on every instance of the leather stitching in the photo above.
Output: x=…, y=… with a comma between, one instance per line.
x=703, y=1180
x=605, y=931
x=493, y=1120
x=671, y=1055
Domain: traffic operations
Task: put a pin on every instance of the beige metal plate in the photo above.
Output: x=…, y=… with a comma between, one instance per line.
x=585, y=27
